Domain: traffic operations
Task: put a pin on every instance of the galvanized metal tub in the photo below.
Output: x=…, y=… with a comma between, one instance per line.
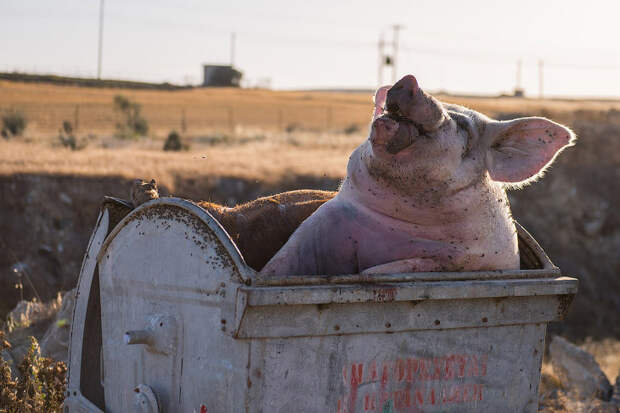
x=169, y=318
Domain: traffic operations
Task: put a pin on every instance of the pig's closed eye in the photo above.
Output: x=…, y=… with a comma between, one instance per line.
x=463, y=124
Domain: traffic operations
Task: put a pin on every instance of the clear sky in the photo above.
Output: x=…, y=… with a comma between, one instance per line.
x=459, y=46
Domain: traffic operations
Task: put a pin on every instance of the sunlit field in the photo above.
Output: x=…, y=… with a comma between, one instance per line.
x=250, y=134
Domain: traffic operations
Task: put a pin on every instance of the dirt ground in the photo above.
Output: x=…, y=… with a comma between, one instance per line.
x=275, y=141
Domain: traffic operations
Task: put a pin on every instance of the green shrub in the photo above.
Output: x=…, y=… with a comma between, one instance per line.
x=40, y=385
x=173, y=142
x=68, y=139
x=351, y=129
x=67, y=127
x=223, y=139
x=214, y=139
x=132, y=123
x=13, y=124
x=292, y=127
x=140, y=126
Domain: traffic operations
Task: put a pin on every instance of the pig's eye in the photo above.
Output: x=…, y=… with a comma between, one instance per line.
x=463, y=124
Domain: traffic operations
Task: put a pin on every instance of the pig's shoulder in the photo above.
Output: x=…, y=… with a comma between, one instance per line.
x=334, y=214
x=323, y=244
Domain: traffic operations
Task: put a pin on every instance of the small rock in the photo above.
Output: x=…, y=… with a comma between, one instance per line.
x=29, y=318
x=27, y=313
x=590, y=406
x=55, y=342
x=615, y=398
x=64, y=198
x=43, y=248
x=578, y=370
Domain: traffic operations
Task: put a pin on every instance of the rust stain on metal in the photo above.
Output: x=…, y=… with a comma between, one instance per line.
x=564, y=302
x=163, y=213
x=384, y=294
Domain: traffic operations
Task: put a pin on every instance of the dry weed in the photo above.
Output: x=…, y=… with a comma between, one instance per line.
x=39, y=386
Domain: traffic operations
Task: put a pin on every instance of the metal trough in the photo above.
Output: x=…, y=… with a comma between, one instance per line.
x=169, y=318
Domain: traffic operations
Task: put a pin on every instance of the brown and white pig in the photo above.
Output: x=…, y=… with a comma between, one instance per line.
x=425, y=192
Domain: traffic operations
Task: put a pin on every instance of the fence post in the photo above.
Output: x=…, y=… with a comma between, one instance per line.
x=280, y=120
x=328, y=120
x=231, y=119
x=183, y=121
x=76, y=118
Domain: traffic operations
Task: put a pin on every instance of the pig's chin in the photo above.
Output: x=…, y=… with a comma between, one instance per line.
x=405, y=136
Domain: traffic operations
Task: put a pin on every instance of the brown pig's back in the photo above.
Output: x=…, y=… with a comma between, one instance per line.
x=261, y=227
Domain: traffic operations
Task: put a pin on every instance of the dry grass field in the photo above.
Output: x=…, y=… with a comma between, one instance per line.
x=249, y=134
x=204, y=110
x=247, y=143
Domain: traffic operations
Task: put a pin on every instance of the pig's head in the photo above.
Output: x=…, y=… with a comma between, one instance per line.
x=417, y=143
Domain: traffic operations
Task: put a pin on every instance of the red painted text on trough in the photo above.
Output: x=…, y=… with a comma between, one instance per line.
x=412, y=369
x=411, y=400
x=412, y=382
x=384, y=294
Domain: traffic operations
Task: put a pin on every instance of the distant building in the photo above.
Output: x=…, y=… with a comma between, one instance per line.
x=221, y=75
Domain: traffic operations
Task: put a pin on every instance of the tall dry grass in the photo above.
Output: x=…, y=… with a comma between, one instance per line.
x=269, y=160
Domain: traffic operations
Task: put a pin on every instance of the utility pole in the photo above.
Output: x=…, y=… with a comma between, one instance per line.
x=381, y=59
x=541, y=66
x=389, y=59
x=518, y=92
x=396, y=28
x=232, y=48
x=100, y=39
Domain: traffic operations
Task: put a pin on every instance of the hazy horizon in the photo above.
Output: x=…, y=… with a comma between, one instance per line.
x=459, y=47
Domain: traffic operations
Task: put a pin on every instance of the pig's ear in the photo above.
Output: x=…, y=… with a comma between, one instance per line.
x=379, y=100
x=521, y=149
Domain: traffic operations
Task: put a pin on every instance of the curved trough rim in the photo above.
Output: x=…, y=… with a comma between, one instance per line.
x=245, y=272
x=251, y=277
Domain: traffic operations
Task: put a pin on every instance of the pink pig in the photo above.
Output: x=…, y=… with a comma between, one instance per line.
x=425, y=191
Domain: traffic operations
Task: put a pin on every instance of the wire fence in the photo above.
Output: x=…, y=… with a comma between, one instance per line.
x=98, y=118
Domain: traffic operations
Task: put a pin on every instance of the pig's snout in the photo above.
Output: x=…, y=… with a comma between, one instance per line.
x=405, y=99
x=383, y=130
x=400, y=96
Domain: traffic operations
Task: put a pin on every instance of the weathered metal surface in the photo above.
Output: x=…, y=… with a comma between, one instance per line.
x=399, y=316
x=145, y=400
x=190, y=326
x=84, y=392
x=531, y=253
x=169, y=271
x=408, y=291
x=493, y=370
